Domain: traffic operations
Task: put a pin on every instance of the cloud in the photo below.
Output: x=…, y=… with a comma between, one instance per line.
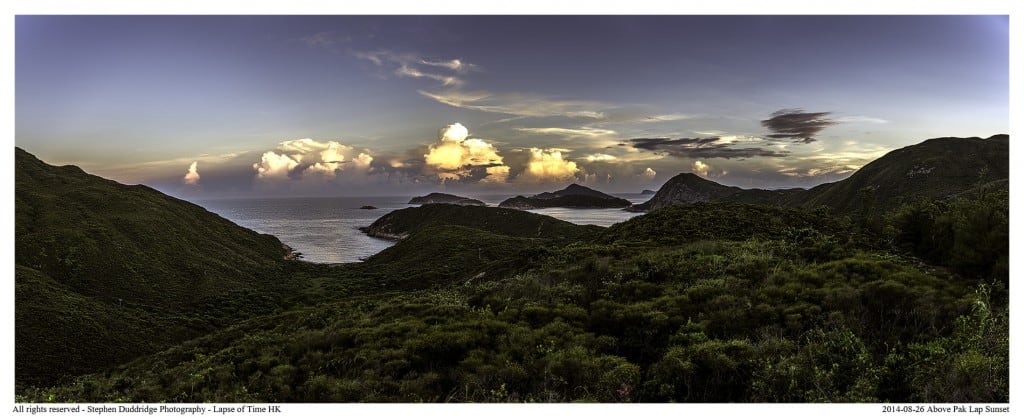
x=518, y=104
x=295, y=159
x=710, y=147
x=456, y=65
x=548, y=165
x=582, y=132
x=407, y=71
x=860, y=119
x=601, y=158
x=321, y=39
x=700, y=168
x=797, y=124
x=192, y=176
x=456, y=156
x=411, y=65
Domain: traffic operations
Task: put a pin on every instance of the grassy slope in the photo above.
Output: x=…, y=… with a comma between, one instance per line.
x=106, y=271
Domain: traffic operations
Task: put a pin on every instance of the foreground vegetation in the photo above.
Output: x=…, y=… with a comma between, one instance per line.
x=807, y=309
x=705, y=302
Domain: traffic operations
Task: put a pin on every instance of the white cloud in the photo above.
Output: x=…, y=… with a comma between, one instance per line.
x=518, y=104
x=296, y=158
x=649, y=173
x=582, y=132
x=601, y=158
x=410, y=65
x=192, y=176
x=700, y=168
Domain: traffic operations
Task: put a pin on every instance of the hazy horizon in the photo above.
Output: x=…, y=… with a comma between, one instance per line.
x=251, y=106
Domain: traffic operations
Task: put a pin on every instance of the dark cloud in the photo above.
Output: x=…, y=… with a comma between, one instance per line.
x=797, y=124
x=710, y=147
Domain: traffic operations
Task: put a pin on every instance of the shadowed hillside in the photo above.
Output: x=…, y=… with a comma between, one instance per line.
x=934, y=169
x=124, y=268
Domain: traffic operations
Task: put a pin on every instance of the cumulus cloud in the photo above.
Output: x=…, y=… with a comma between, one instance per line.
x=710, y=147
x=301, y=157
x=192, y=176
x=649, y=173
x=548, y=165
x=456, y=156
x=700, y=168
x=797, y=124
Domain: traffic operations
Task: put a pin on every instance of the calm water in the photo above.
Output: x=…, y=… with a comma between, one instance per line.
x=326, y=230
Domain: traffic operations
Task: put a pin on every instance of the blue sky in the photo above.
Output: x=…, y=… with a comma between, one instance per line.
x=356, y=105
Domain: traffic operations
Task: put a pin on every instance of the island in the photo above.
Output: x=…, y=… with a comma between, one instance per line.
x=445, y=198
x=574, y=196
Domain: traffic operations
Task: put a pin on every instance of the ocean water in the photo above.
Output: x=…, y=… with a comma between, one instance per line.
x=326, y=229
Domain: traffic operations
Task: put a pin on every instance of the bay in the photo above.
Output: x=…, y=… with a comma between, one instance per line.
x=326, y=229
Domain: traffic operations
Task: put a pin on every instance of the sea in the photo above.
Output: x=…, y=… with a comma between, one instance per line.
x=326, y=229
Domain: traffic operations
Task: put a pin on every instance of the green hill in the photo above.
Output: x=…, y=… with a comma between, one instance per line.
x=707, y=302
x=400, y=223
x=934, y=169
x=106, y=271
x=573, y=196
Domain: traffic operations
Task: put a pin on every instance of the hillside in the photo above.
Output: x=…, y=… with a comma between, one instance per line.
x=706, y=302
x=400, y=223
x=107, y=263
x=573, y=196
x=936, y=168
x=446, y=199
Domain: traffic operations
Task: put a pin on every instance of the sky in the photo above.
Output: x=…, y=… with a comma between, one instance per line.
x=207, y=106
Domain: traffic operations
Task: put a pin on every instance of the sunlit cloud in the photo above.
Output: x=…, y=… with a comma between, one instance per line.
x=294, y=158
x=601, y=158
x=456, y=65
x=649, y=173
x=192, y=176
x=548, y=165
x=410, y=65
x=456, y=156
x=700, y=168
x=517, y=104
x=582, y=132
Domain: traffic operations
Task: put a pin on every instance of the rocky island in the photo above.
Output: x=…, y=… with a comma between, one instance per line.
x=574, y=196
x=445, y=198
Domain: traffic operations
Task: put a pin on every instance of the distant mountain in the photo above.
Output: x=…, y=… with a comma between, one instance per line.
x=648, y=192
x=445, y=198
x=105, y=272
x=574, y=196
x=936, y=168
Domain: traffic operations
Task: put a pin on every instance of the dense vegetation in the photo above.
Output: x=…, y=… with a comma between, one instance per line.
x=712, y=302
x=106, y=272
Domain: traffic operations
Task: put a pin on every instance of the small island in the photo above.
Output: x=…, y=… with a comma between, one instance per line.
x=648, y=192
x=574, y=196
x=368, y=207
x=445, y=198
